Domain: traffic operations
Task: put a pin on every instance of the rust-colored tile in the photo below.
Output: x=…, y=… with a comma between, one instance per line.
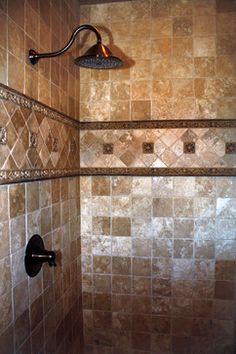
x=224, y=290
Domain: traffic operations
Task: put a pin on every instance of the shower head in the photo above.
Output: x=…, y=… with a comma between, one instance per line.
x=97, y=57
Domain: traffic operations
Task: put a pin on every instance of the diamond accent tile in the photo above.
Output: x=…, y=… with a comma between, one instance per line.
x=230, y=148
x=33, y=140
x=189, y=148
x=107, y=149
x=3, y=136
x=148, y=148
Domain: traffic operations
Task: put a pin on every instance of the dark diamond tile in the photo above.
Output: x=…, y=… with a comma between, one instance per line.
x=107, y=149
x=189, y=148
x=230, y=148
x=148, y=148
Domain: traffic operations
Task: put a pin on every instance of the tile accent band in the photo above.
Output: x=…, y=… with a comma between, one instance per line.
x=159, y=124
x=18, y=176
x=143, y=171
x=22, y=100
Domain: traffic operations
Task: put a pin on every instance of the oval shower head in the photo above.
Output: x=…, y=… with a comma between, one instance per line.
x=98, y=57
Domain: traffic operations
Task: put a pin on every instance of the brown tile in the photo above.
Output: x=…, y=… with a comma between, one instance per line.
x=204, y=249
x=3, y=204
x=121, y=284
x=140, y=110
x=184, y=228
x=183, y=249
x=32, y=189
x=6, y=341
x=181, y=345
x=181, y=326
x=141, y=341
x=160, y=324
x=102, y=283
x=182, y=26
x=141, y=304
x=224, y=290
x=100, y=185
x=162, y=248
x=102, y=302
x=162, y=207
x=226, y=6
x=102, y=264
x=121, y=265
x=161, y=287
x=5, y=277
x=22, y=328
x=18, y=235
x=121, y=226
x=141, y=285
x=225, y=270
x=17, y=200
x=202, y=308
x=226, y=44
x=6, y=310
x=101, y=225
x=4, y=240
x=102, y=319
x=141, y=266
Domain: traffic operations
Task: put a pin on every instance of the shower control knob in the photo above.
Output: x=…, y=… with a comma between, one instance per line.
x=36, y=255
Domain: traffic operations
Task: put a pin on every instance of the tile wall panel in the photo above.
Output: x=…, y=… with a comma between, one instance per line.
x=158, y=253
x=40, y=314
x=179, y=61
x=158, y=264
x=44, y=26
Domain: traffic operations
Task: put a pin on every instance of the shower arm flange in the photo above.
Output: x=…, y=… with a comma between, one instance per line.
x=34, y=56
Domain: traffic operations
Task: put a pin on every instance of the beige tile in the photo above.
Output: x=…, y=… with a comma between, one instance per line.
x=204, y=46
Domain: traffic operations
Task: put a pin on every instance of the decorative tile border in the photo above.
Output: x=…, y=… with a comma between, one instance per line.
x=157, y=171
x=7, y=177
x=22, y=100
x=160, y=124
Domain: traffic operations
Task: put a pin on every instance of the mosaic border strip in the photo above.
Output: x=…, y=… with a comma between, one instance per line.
x=160, y=124
x=143, y=171
x=17, y=176
x=22, y=100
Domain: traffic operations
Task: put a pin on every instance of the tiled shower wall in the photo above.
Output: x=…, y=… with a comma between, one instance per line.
x=179, y=57
x=158, y=253
x=42, y=314
x=43, y=26
x=158, y=264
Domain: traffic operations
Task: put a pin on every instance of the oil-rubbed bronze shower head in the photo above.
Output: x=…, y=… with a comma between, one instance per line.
x=97, y=57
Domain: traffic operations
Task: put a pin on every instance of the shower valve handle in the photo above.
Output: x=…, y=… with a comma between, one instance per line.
x=36, y=255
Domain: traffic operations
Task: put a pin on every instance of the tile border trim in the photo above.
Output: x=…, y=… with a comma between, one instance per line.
x=17, y=176
x=143, y=171
x=11, y=95
x=160, y=124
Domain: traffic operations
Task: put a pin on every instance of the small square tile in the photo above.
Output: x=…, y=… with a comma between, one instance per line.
x=230, y=148
x=107, y=149
x=55, y=145
x=3, y=136
x=189, y=147
x=148, y=148
x=33, y=140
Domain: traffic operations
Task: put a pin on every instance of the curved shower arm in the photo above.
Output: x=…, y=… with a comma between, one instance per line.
x=34, y=56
